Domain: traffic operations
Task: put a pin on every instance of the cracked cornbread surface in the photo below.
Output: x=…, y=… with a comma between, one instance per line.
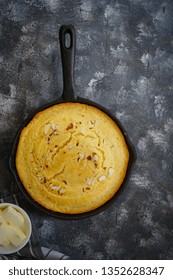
x=71, y=158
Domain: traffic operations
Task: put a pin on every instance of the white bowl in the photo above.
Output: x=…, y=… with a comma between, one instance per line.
x=27, y=230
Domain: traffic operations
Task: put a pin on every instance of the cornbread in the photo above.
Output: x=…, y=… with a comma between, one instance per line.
x=71, y=158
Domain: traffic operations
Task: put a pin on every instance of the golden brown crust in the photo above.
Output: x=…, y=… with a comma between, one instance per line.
x=72, y=158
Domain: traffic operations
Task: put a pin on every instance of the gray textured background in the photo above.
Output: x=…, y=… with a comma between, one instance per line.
x=124, y=61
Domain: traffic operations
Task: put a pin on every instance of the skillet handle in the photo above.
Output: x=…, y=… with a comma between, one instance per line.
x=67, y=48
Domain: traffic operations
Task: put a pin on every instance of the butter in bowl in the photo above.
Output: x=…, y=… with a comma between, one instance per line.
x=15, y=228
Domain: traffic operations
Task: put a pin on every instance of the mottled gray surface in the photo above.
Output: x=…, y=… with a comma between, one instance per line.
x=124, y=60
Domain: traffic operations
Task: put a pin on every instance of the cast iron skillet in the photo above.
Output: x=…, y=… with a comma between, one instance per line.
x=67, y=57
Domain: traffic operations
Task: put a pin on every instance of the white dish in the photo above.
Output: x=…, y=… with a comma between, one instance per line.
x=27, y=230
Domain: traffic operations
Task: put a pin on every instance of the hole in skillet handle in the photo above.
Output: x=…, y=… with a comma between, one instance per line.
x=67, y=39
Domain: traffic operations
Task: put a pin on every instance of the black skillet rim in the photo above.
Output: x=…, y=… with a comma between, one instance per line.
x=88, y=214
